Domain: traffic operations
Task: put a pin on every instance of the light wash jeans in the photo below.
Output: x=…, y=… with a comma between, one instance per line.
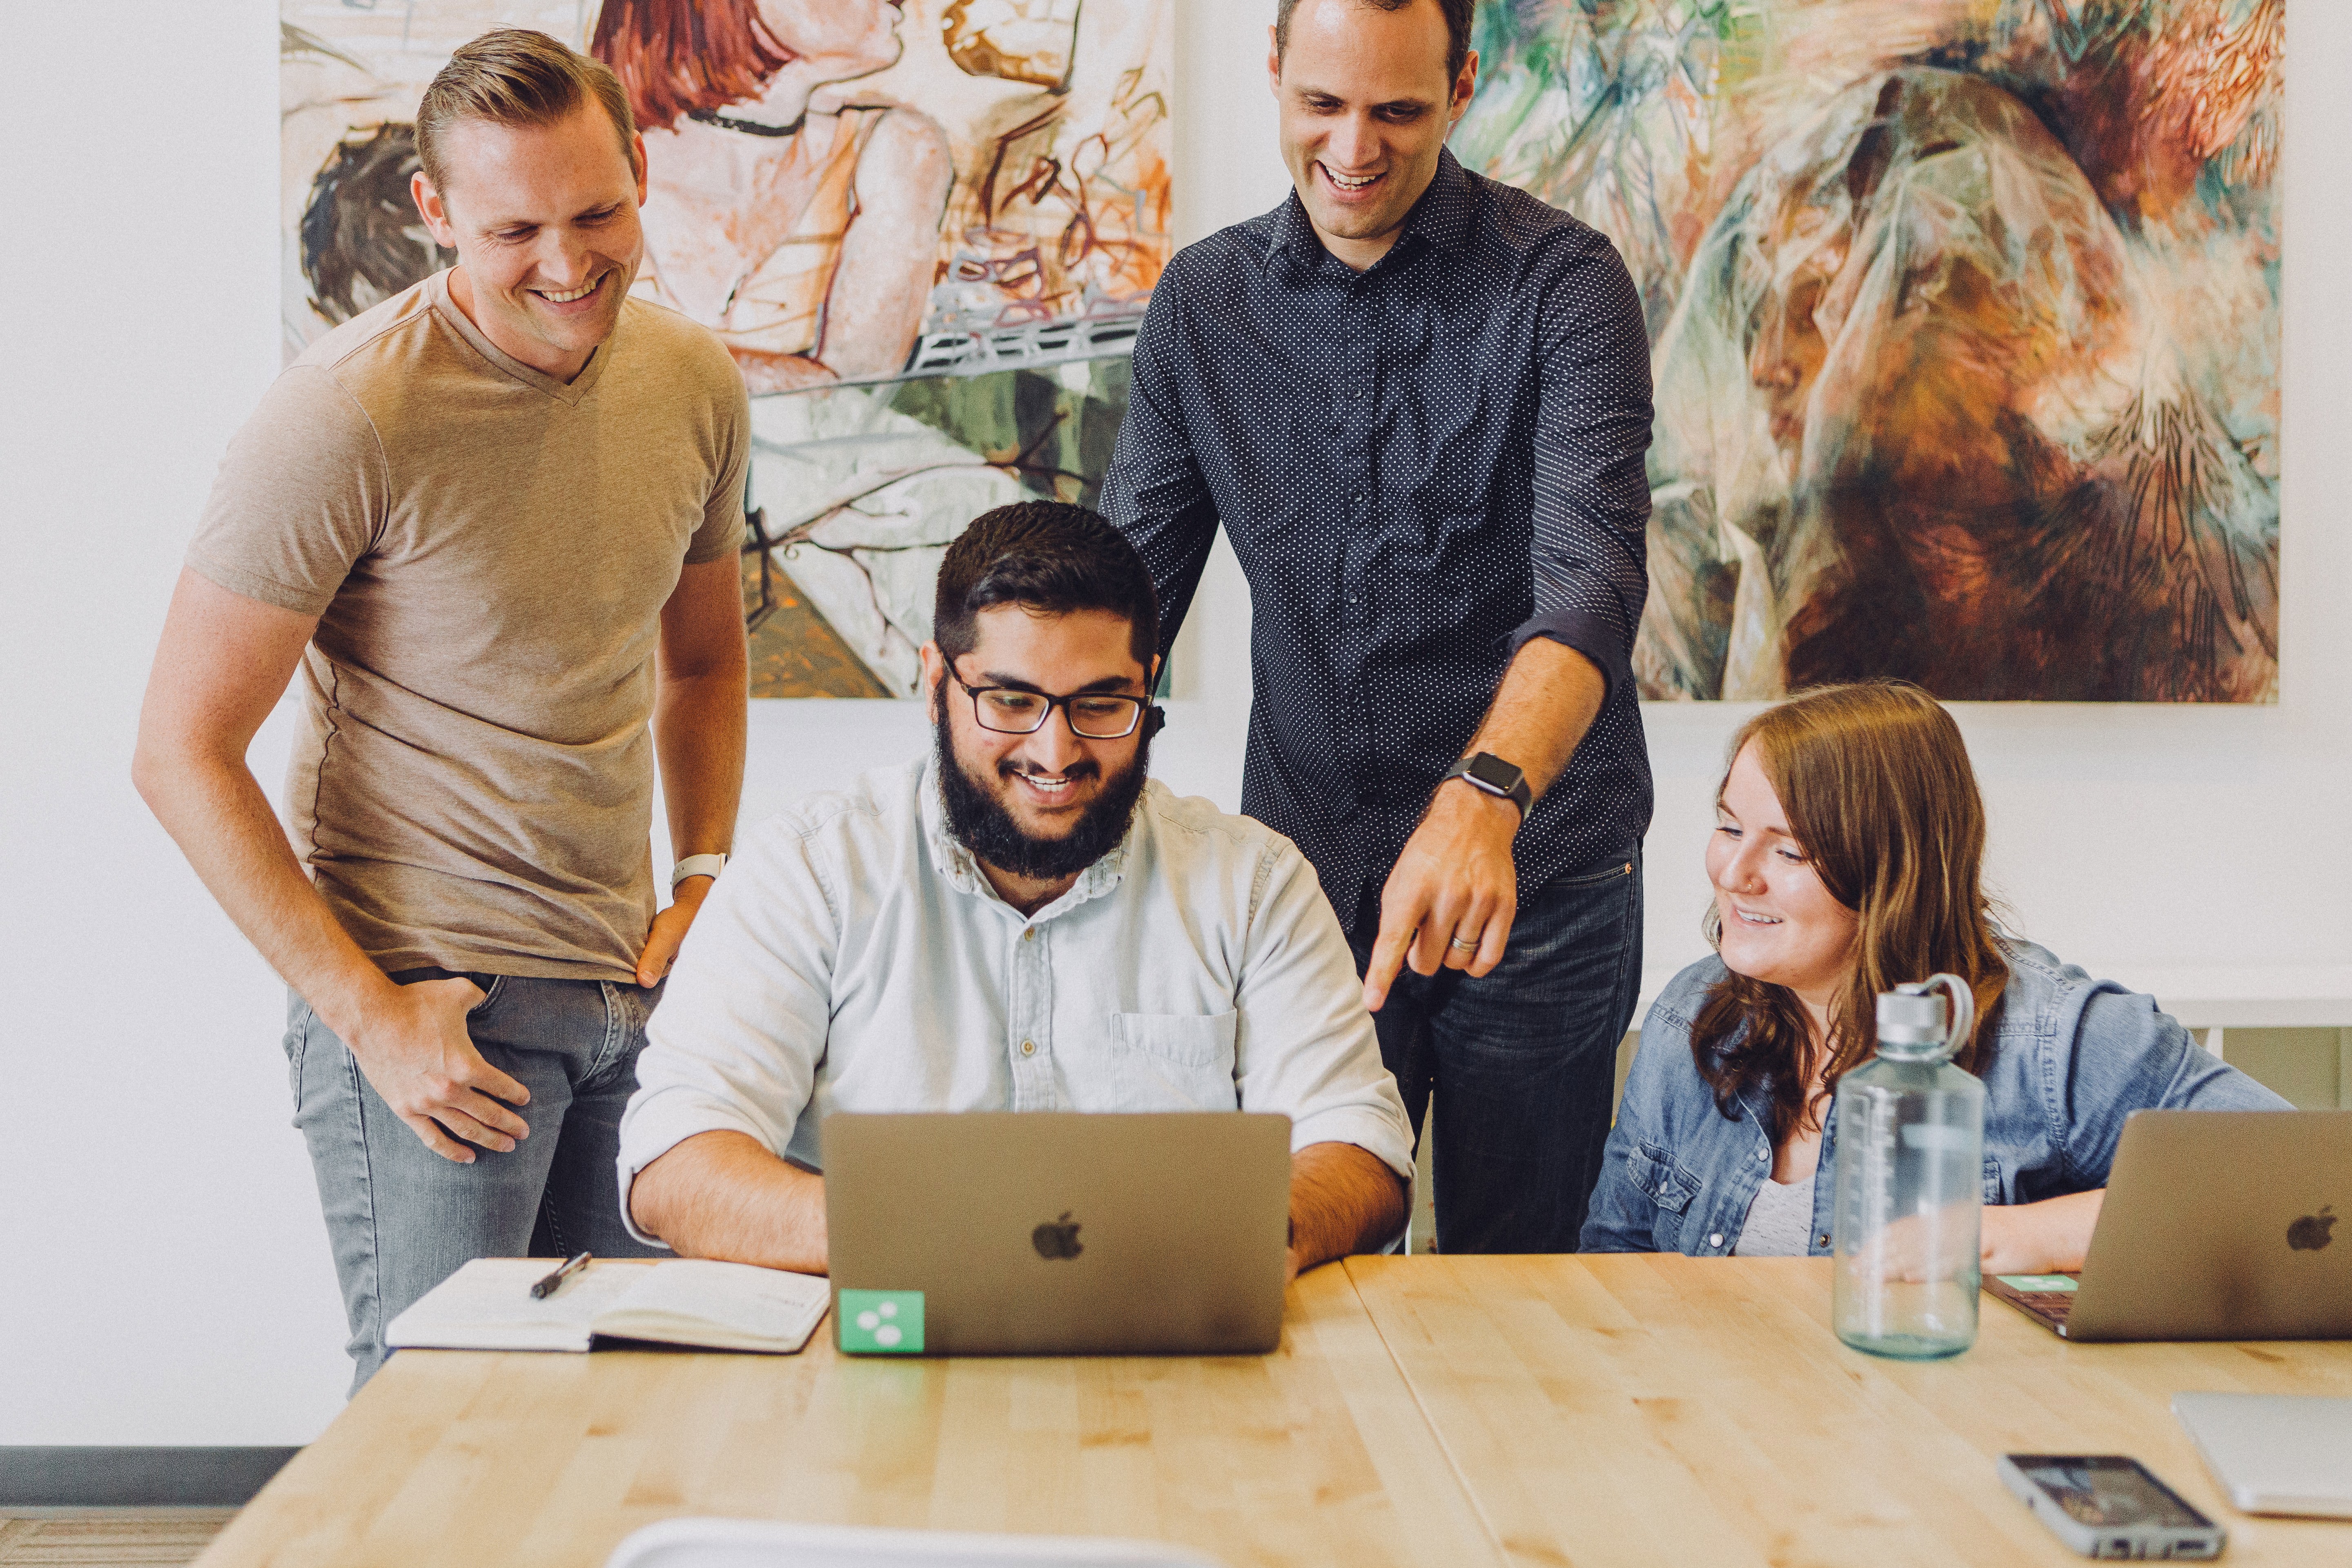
x=401, y=1218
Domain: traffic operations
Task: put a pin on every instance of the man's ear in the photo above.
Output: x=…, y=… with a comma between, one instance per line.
x=433, y=210
x=935, y=667
x=1273, y=62
x=1465, y=85
x=638, y=156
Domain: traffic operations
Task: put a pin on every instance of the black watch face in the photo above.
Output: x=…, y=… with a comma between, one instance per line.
x=1487, y=769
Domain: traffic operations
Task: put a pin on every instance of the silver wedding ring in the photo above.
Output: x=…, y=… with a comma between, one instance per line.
x=1465, y=946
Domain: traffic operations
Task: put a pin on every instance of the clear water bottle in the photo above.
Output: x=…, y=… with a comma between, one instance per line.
x=1910, y=1181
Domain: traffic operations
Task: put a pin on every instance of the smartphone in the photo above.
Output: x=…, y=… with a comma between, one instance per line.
x=2106, y=1505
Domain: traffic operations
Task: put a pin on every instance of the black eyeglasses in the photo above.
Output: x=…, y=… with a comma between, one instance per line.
x=1093, y=716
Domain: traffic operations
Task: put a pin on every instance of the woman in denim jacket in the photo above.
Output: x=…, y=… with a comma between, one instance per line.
x=1845, y=860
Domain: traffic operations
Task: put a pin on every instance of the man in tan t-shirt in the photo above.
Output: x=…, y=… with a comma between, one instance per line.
x=497, y=520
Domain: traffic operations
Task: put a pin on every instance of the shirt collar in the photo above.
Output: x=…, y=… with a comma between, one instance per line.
x=962, y=871
x=1440, y=218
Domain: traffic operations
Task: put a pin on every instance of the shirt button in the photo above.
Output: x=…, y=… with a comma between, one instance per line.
x=1028, y=1048
x=1715, y=1240
x=1823, y=1239
x=1031, y=935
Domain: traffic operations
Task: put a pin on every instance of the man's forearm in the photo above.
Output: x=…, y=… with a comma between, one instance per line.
x=723, y=1195
x=1547, y=700
x=1343, y=1200
x=215, y=810
x=698, y=736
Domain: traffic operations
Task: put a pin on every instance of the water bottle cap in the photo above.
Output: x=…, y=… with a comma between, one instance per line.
x=1912, y=1024
x=1910, y=1020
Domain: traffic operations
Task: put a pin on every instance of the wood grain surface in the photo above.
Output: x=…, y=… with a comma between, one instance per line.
x=1313, y=1455
x=1646, y=1409
x=1421, y=1413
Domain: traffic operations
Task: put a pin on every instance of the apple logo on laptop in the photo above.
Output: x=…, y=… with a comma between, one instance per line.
x=2308, y=1234
x=1059, y=1238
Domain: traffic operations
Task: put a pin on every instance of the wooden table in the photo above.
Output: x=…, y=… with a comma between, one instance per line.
x=1424, y=1411
x=1645, y=1409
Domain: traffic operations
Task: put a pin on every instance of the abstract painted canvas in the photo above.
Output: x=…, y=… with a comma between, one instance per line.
x=926, y=229
x=1965, y=327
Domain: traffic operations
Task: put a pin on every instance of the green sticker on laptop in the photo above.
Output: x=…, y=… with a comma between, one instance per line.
x=879, y=1323
x=2028, y=1282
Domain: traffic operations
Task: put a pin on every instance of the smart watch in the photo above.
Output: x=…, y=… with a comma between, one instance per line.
x=696, y=865
x=1485, y=770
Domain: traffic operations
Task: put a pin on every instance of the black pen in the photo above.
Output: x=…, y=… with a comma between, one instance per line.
x=547, y=1286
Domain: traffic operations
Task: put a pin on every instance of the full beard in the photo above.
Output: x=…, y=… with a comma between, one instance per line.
x=980, y=822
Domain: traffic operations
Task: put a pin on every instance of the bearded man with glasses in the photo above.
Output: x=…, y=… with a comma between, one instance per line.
x=1023, y=921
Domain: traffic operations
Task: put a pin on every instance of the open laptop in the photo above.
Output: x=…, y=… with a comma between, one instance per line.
x=2275, y=1453
x=2218, y=1225
x=1057, y=1233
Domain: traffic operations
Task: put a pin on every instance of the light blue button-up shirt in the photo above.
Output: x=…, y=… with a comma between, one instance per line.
x=852, y=957
x=2072, y=1058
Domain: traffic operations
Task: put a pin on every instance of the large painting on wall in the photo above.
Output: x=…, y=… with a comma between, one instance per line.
x=1965, y=324
x=926, y=229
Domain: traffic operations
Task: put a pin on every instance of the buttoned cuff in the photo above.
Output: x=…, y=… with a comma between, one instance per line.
x=659, y=1122
x=1595, y=636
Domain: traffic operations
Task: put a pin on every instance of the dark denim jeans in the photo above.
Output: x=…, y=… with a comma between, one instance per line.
x=1522, y=1062
x=402, y=1219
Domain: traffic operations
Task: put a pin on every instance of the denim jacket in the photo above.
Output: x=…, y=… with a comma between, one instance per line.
x=2073, y=1058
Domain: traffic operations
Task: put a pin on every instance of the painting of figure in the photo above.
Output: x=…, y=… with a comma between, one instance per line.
x=1965, y=326
x=925, y=229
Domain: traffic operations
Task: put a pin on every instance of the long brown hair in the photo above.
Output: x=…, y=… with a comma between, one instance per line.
x=1875, y=782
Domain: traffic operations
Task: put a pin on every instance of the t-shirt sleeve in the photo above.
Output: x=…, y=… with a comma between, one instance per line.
x=300, y=498
x=720, y=534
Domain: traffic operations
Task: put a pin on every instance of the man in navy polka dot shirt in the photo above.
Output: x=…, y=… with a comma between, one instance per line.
x=1418, y=402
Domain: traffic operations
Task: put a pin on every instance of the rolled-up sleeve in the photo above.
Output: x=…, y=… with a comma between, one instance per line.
x=1153, y=491
x=1304, y=1045
x=1592, y=479
x=742, y=1024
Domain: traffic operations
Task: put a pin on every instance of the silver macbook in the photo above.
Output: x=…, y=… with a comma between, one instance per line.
x=2218, y=1225
x=2275, y=1453
x=1056, y=1232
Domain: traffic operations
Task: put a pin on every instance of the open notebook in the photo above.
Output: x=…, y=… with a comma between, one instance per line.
x=488, y=1306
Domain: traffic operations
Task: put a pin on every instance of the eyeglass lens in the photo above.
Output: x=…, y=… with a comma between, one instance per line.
x=1025, y=712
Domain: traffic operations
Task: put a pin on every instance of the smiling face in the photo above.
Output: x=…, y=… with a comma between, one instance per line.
x=1780, y=925
x=1040, y=807
x=1366, y=106
x=544, y=222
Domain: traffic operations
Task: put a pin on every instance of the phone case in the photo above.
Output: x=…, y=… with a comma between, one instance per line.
x=2200, y=1541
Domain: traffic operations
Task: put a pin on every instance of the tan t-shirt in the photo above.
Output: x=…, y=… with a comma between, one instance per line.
x=489, y=551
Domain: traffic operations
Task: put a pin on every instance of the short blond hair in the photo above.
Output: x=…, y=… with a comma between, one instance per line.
x=517, y=75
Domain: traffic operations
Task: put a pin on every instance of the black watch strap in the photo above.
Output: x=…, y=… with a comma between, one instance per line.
x=1485, y=770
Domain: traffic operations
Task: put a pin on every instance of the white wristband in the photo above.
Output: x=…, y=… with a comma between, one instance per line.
x=696, y=865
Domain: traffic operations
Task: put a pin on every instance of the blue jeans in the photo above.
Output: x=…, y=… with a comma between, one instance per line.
x=401, y=1218
x=1523, y=1062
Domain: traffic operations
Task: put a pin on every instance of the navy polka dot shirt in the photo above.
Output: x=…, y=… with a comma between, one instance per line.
x=1420, y=467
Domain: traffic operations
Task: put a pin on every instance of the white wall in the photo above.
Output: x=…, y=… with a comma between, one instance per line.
x=163, y=1273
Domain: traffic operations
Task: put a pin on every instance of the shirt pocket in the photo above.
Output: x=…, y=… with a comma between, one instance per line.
x=1174, y=1061
x=1662, y=1181
x=1658, y=1177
